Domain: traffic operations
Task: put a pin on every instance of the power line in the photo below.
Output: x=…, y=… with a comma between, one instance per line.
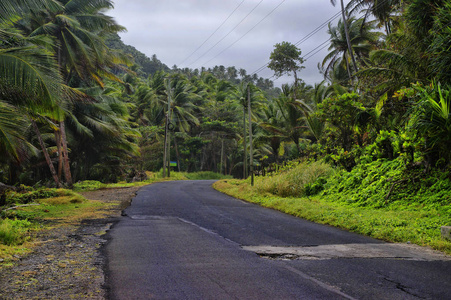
x=309, y=35
x=318, y=48
x=317, y=29
x=274, y=9
x=233, y=29
x=213, y=32
x=315, y=50
x=260, y=69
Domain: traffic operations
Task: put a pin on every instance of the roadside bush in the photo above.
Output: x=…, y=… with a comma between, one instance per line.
x=13, y=232
x=207, y=175
x=384, y=183
x=88, y=185
x=30, y=196
x=301, y=180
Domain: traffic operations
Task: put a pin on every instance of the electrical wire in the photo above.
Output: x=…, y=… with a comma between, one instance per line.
x=317, y=29
x=315, y=50
x=230, y=15
x=258, y=23
x=309, y=35
x=233, y=29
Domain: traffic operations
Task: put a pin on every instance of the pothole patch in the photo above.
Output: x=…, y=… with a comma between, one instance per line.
x=322, y=252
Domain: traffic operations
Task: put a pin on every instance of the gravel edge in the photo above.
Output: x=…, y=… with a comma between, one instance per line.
x=68, y=262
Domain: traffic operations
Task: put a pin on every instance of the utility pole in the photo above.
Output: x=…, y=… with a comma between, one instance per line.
x=165, y=145
x=251, y=154
x=222, y=155
x=167, y=140
x=244, y=143
x=169, y=134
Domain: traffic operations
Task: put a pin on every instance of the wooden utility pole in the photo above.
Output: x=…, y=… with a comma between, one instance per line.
x=165, y=145
x=244, y=144
x=222, y=156
x=168, y=149
x=251, y=154
x=167, y=140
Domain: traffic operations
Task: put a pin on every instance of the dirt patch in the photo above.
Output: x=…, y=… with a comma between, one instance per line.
x=66, y=262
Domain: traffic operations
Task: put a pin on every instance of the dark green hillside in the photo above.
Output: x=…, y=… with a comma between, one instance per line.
x=148, y=66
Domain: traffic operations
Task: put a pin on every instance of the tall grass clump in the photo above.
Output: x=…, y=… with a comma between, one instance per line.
x=303, y=179
x=206, y=175
x=13, y=232
x=88, y=185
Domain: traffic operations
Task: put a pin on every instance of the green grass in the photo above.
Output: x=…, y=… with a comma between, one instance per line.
x=207, y=175
x=44, y=210
x=48, y=208
x=298, y=179
x=152, y=177
x=357, y=201
x=13, y=231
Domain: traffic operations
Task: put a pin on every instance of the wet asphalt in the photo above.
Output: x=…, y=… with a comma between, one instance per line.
x=184, y=240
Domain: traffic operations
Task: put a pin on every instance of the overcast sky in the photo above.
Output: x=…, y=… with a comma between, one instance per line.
x=246, y=31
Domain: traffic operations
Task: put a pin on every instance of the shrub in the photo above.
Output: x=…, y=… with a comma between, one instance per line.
x=207, y=175
x=88, y=185
x=30, y=196
x=298, y=181
x=13, y=232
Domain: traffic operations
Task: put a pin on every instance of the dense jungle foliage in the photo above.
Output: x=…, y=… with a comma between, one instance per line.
x=77, y=104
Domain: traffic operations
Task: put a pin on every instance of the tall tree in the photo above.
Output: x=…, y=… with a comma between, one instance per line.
x=348, y=39
x=383, y=10
x=29, y=77
x=286, y=59
x=362, y=41
x=79, y=28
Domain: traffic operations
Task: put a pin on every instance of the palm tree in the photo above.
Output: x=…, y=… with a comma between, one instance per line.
x=240, y=94
x=348, y=39
x=102, y=135
x=361, y=39
x=271, y=123
x=12, y=133
x=29, y=77
x=79, y=28
x=320, y=92
x=181, y=96
x=292, y=114
x=10, y=8
x=383, y=10
x=433, y=122
x=400, y=62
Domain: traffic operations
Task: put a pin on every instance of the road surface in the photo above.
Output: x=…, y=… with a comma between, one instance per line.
x=184, y=240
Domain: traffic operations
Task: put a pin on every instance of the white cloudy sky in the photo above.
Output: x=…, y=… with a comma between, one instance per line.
x=174, y=29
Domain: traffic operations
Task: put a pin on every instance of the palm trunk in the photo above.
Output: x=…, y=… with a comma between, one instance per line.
x=387, y=27
x=60, y=157
x=348, y=68
x=64, y=153
x=66, y=163
x=348, y=40
x=295, y=85
x=46, y=154
x=177, y=153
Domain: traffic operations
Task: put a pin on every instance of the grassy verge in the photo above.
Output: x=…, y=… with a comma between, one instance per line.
x=33, y=210
x=38, y=210
x=398, y=218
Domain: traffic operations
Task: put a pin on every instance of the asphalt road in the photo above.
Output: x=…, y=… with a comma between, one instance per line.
x=184, y=240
